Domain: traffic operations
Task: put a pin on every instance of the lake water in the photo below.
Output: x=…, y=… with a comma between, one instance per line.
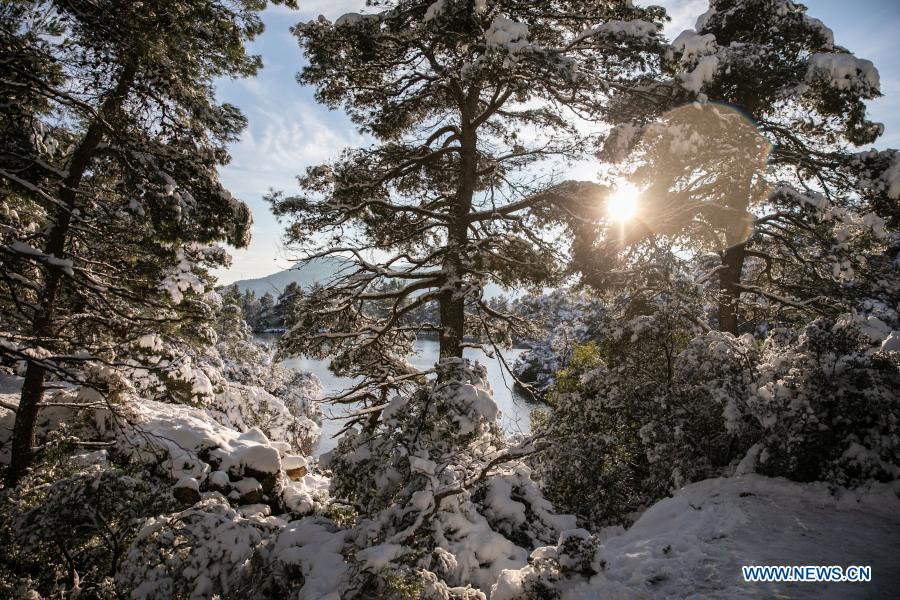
x=515, y=410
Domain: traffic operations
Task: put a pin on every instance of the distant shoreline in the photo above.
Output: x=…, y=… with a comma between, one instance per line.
x=426, y=335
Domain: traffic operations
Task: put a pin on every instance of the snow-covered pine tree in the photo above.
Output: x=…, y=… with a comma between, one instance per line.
x=287, y=306
x=111, y=201
x=465, y=101
x=754, y=170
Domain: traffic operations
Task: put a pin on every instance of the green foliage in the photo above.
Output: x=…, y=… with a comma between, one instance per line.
x=828, y=406
x=401, y=585
x=70, y=521
x=650, y=407
x=585, y=357
x=343, y=515
x=645, y=412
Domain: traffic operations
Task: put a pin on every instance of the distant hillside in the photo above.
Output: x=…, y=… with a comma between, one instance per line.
x=320, y=271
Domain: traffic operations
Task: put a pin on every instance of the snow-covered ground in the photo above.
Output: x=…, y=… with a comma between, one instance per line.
x=694, y=544
x=691, y=545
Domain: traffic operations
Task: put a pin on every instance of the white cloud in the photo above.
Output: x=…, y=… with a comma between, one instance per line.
x=684, y=13
x=281, y=145
x=331, y=9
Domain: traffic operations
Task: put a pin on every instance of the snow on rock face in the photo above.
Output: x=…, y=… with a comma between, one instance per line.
x=694, y=544
x=197, y=452
x=258, y=457
x=844, y=72
x=248, y=467
x=218, y=479
x=181, y=433
x=246, y=407
x=292, y=462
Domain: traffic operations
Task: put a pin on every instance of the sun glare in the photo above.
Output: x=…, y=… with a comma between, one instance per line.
x=623, y=204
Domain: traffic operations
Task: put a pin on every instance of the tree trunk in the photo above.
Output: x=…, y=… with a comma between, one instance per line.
x=452, y=301
x=729, y=290
x=737, y=232
x=452, y=313
x=22, y=443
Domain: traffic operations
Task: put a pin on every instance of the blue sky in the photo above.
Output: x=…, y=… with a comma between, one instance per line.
x=289, y=131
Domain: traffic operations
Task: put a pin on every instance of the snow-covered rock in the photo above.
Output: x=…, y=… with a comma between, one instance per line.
x=192, y=448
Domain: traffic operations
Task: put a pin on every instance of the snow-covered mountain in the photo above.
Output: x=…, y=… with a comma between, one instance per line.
x=321, y=271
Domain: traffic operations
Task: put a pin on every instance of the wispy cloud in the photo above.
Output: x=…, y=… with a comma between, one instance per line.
x=683, y=13
x=279, y=144
x=330, y=9
x=282, y=143
x=288, y=131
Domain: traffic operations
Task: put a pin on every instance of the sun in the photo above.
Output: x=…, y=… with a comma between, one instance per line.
x=623, y=203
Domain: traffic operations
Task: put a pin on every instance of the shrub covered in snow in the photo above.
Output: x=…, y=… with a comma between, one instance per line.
x=67, y=524
x=444, y=501
x=218, y=420
x=235, y=379
x=657, y=405
x=828, y=401
x=641, y=413
x=200, y=552
x=187, y=447
x=257, y=392
x=574, y=557
x=73, y=518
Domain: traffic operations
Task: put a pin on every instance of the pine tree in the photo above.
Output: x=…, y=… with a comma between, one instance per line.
x=469, y=103
x=266, y=312
x=111, y=200
x=752, y=169
x=287, y=306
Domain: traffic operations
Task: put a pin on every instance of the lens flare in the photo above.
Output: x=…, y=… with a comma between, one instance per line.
x=623, y=203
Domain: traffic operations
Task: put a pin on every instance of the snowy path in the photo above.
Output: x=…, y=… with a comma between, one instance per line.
x=693, y=545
